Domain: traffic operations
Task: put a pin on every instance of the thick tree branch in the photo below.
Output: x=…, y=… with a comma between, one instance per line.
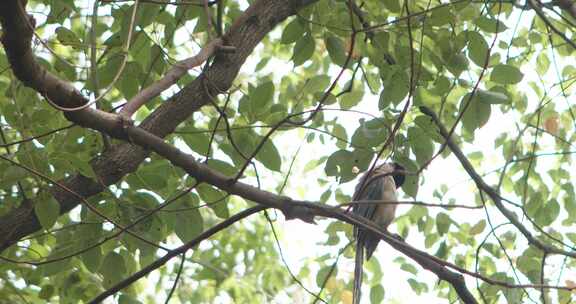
x=307, y=211
x=17, y=33
x=303, y=210
x=248, y=30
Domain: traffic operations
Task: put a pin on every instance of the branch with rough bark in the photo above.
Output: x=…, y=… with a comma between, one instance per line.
x=246, y=32
x=308, y=211
x=292, y=209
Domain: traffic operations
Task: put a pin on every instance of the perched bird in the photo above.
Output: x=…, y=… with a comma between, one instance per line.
x=378, y=185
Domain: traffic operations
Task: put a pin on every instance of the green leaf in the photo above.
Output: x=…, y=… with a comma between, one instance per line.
x=113, y=269
x=477, y=48
x=47, y=210
x=506, y=74
x=478, y=228
x=293, y=31
x=222, y=167
x=46, y=292
x=351, y=99
x=11, y=175
x=340, y=164
x=336, y=51
x=318, y=83
x=392, y=5
x=426, y=124
x=417, y=286
x=216, y=199
x=151, y=177
x=129, y=83
x=127, y=299
x=269, y=156
x=59, y=266
x=377, y=294
x=492, y=97
x=457, y=64
x=189, y=223
x=262, y=97
x=396, y=87
x=421, y=144
x=303, y=50
x=370, y=134
x=68, y=37
x=323, y=274
x=60, y=11
x=443, y=222
x=196, y=140
x=65, y=69
x=477, y=113
x=82, y=165
x=550, y=212
x=92, y=259
x=339, y=133
x=441, y=16
x=490, y=25
x=409, y=268
x=542, y=63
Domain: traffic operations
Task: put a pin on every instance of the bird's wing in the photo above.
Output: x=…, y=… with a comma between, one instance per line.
x=368, y=190
x=372, y=191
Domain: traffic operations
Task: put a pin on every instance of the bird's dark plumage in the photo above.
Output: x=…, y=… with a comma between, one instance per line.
x=378, y=185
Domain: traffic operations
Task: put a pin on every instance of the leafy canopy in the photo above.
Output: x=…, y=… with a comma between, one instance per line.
x=324, y=94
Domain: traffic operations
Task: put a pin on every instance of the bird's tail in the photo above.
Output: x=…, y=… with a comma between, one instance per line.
x=358, y=270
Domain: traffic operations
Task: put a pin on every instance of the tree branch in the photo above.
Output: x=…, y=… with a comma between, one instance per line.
x=178, y=251
x=170, y=78
x=246, y=32
x=567, y=5
x=292, y=209
x=495, y=196
x=535, y=5
x=18, y=30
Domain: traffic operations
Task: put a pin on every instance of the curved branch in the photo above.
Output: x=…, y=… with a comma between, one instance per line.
x=18, y=30
x=245, y=34
x=307, y=211
x=495, y=196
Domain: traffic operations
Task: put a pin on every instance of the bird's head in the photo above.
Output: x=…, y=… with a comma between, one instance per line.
x=399, y=175
x=398, y=172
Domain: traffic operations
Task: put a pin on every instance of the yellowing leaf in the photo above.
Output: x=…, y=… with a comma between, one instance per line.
x=346, y=297
x=551, y=124
x=478, y=228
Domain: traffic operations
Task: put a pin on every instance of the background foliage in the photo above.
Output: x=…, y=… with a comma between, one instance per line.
x=344, y=79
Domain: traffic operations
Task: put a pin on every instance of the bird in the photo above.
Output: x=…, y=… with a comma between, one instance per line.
x=379, y=184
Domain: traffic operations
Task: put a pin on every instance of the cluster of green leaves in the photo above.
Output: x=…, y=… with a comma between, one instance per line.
x=465, y=61
x=468, y=61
